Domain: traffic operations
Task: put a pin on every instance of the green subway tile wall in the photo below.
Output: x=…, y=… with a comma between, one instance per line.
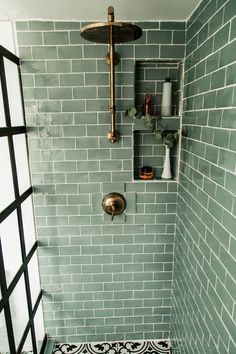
x=203, y=315
x=102, y=280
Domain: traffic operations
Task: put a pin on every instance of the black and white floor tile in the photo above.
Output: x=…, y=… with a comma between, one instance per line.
x=123, y=347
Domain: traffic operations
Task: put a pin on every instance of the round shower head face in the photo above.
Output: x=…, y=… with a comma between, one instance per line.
x=121, y=32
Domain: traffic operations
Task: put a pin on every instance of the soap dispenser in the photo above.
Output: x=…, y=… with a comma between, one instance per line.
x=166, y=98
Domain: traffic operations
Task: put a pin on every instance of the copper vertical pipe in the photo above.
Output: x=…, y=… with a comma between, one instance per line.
x=113, y=135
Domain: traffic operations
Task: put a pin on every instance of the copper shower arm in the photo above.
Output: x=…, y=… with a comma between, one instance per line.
x=113, y=135
x=111, y=32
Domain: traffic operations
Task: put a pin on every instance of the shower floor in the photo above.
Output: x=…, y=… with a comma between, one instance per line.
x=122, y=347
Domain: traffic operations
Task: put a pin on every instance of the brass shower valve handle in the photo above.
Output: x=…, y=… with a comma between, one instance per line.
x=114, y=204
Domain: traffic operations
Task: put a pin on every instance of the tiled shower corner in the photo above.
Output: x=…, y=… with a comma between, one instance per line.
x=203, y=315
x=103, y=281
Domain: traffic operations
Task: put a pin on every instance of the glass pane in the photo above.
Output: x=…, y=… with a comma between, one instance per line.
x=39, y=327
x=4, y=347
x=28, y=223
x=14, y=93
x=2, y=113
x=21, y=162
x=34, y=278
x=11, y=249
x=19, y=310
x=27, y=348
x=6, y=182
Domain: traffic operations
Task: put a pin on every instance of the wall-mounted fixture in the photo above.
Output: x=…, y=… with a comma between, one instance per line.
x=111, y=32
x=114, y=204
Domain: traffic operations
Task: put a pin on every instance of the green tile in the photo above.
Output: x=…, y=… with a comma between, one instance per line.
x=67, y=25
x=218, y=79
x=159, y=37
x=175, y=25
x=172, y=51
x=49, y=52
x=229, y=10
x=29, y=38
x=179, y=37
x=73, y=106
x=221, y=138
x=215, y=22
x=69, y=52
x=71, y=80
x=35, y=93
x=30, y=66
x=228, y=118
x=60, y=93
x=95, y=51
x=224, y=97
x=58, y=66
x=41, y=25
x=21, y=25
x=227, y=160
x=25, y=53
x=84, y=92
x=212, y=62
x=83, y=65
x=226, y=54
x=146, y=51
x=46, y=80
x=55, y=38
x=76, y=38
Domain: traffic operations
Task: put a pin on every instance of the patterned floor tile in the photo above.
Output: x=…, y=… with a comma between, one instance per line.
x=128, y=347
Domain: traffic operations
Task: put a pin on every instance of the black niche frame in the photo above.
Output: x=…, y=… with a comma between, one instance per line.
x=9, y=131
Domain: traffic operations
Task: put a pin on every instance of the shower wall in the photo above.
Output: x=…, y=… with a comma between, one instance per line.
x=102, y=280
x=204, y=311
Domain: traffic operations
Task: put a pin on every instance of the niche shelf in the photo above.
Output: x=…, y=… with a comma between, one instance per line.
x=147, y=151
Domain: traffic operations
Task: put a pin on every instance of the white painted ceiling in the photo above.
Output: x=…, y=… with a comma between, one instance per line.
x=96, y=10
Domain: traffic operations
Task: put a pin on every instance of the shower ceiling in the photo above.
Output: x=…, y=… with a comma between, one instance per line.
x=93, y=10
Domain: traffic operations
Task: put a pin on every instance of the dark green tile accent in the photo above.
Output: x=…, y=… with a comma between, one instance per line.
x=147, y=51
x=175, y=25
x=221, y=37
x=159, y=37
x=172, y=51
x=226, y=54
x=218, y=79
x=228, y=118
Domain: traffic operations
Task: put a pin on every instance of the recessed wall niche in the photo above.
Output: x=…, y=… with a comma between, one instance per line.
x=149, y=78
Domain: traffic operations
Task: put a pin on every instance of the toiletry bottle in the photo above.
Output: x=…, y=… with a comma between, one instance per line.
x=166, y=98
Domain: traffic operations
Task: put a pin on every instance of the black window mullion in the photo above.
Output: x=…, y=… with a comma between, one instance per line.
x=29, y=326
x=7, y=311
x=17, y=204
x=4, y=92
x=26, y=275
x=16, y=278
